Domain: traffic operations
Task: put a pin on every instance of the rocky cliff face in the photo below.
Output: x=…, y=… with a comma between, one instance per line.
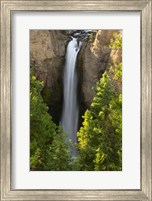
x=94, y=58
x=47, y=52
x=47, y=49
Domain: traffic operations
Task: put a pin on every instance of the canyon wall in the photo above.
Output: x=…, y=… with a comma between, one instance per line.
x=94, y=58
x=47, y=55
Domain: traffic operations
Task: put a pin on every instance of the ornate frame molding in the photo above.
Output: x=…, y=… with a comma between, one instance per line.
x=145, y=8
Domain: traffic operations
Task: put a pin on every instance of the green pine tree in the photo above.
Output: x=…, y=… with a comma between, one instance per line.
x=48, y=147
x=42, y=128
x=99, y=139
x=59, y=155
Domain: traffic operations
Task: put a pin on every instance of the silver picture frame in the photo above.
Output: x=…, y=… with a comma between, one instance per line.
x=145, y=9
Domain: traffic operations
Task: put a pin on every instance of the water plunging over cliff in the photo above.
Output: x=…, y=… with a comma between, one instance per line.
x=70, y=111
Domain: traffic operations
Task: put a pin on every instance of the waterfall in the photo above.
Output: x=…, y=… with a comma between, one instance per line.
x=70, y=111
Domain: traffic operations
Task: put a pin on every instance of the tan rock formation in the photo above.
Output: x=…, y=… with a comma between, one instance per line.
x=94, y=58
x=47, y=54
x=47, y=51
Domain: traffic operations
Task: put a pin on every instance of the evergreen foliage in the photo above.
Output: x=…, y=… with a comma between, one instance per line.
x=48, y=149
x=59, y=156
x=116, y=41
x=99, y=139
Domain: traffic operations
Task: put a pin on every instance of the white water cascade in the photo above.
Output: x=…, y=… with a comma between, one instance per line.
x=70, y=111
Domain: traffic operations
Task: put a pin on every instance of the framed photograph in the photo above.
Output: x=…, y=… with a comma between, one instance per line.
x=76, y=100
